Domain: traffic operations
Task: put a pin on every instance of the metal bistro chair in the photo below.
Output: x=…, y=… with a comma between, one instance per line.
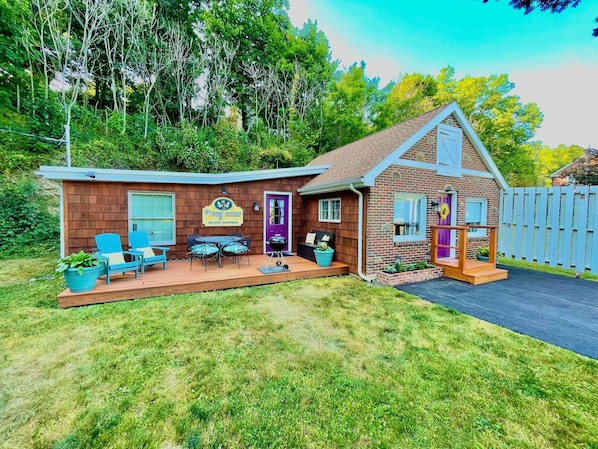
x=199, y=249
x=139, y=241
x=111, y=251
x=234, y=250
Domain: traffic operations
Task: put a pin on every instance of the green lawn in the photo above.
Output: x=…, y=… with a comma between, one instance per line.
x=324, y=363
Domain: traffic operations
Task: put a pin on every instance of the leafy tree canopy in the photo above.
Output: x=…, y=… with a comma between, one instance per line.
x=554, y=6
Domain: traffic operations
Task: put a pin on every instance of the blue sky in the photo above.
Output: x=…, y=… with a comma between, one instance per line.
x=551, y=58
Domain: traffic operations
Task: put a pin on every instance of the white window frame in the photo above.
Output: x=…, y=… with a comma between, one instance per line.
x=423, y=200
x=131, y=218
x=484, y=216
x=326, y=215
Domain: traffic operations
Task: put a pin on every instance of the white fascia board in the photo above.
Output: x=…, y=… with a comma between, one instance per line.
x=479, y=146
x=402, y=149
x=333, y=187
x=434, y=168
x=139, y=176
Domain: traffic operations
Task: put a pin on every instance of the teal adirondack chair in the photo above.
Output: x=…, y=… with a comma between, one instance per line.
x=111, y=251
x=139, y=241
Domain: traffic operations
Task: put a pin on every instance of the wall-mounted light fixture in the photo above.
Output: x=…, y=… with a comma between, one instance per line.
x=435, y=205
x=223, y=190
x=256, y=206
x=90, y=174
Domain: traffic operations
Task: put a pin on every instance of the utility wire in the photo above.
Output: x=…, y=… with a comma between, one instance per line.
x=49, y=139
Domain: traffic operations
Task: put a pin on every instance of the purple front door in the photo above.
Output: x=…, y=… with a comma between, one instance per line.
x=444, y=218
x=277, y=218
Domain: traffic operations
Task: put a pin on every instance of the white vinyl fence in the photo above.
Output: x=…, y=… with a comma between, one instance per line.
x=556, y=226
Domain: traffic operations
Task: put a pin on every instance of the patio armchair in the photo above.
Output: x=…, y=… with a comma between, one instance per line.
x=110, y=250
x=199, y=249
x=139, y=241
x=234, y=250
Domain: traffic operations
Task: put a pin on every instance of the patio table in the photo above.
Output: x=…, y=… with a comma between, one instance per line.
x=220, y=240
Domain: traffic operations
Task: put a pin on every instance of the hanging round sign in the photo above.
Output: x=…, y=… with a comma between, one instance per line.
x=444, y=211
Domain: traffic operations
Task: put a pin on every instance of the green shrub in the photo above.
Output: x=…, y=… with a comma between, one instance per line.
x=400, y=267
x=27, y=228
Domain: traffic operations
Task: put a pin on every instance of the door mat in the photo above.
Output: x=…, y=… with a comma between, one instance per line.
x=270, y=270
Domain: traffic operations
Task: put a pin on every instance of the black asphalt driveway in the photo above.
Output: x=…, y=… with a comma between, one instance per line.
x=559, y=310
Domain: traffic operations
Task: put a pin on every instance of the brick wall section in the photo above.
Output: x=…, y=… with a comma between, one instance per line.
x=96, y=207
x=381, y=250
x=409, y=277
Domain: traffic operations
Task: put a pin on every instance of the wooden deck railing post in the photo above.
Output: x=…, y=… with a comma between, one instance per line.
x=462, y=246
x=433, y=247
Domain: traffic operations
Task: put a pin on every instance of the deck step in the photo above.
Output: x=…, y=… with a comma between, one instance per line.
x=476, y=276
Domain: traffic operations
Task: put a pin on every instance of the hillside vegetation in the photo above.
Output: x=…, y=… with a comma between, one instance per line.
x=214, y=86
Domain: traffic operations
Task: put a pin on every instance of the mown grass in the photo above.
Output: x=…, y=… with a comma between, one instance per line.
x=548, y=269
x=324, y=363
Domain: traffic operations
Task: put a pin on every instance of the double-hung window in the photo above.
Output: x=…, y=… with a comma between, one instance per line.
x=153, y=213
x=409, y=217
x=330, y=210
x=476, y=214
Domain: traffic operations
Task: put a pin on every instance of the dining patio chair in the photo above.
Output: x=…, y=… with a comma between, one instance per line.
x=111, y=251
x=139, y=241
x=235, y=250
x=199, y=249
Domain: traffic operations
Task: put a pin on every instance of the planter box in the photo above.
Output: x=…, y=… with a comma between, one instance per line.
x=410, y=277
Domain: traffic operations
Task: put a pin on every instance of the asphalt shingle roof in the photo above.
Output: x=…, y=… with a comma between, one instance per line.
x=355, y=160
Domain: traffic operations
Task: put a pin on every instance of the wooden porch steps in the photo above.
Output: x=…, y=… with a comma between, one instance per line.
x=473, y=272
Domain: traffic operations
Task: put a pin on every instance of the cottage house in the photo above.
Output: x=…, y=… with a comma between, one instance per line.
x=584, y=167
x=377, y=196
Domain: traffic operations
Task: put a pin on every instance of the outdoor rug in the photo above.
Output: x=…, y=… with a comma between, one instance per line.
x=274, y=269
x=559, y=310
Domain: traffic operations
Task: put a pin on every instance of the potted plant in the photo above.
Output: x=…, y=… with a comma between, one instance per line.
x=323, y=254
x=81, y=271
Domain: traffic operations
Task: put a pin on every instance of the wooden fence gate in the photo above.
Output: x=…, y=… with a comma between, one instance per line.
x=551, y=225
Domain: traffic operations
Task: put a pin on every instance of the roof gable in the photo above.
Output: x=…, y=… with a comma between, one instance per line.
x=360, y=162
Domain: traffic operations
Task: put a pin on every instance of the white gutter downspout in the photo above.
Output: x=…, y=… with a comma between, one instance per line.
x=362, y=275
x=61, y=213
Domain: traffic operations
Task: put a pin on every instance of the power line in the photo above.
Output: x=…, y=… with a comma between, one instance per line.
x=49, y=139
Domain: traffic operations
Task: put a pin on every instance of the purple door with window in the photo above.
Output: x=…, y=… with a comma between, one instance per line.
x=444, y=218
x=277, y=218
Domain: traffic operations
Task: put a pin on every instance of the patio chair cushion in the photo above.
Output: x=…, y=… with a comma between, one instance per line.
x=204, y=250
x=310, y=238
x=236, y=248
x=147, y=251
x=115, y=258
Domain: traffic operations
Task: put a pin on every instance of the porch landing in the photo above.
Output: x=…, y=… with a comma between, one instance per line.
x=177, y=278
x=474, y=272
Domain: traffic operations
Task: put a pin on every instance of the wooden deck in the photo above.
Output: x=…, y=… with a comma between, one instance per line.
x=177, y=278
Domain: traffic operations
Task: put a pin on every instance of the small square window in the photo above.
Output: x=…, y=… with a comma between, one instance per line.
x=330, y=210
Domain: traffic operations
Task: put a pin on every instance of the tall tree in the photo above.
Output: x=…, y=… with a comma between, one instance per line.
x=411, y=96
x=503, y=123
x=348, y=109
